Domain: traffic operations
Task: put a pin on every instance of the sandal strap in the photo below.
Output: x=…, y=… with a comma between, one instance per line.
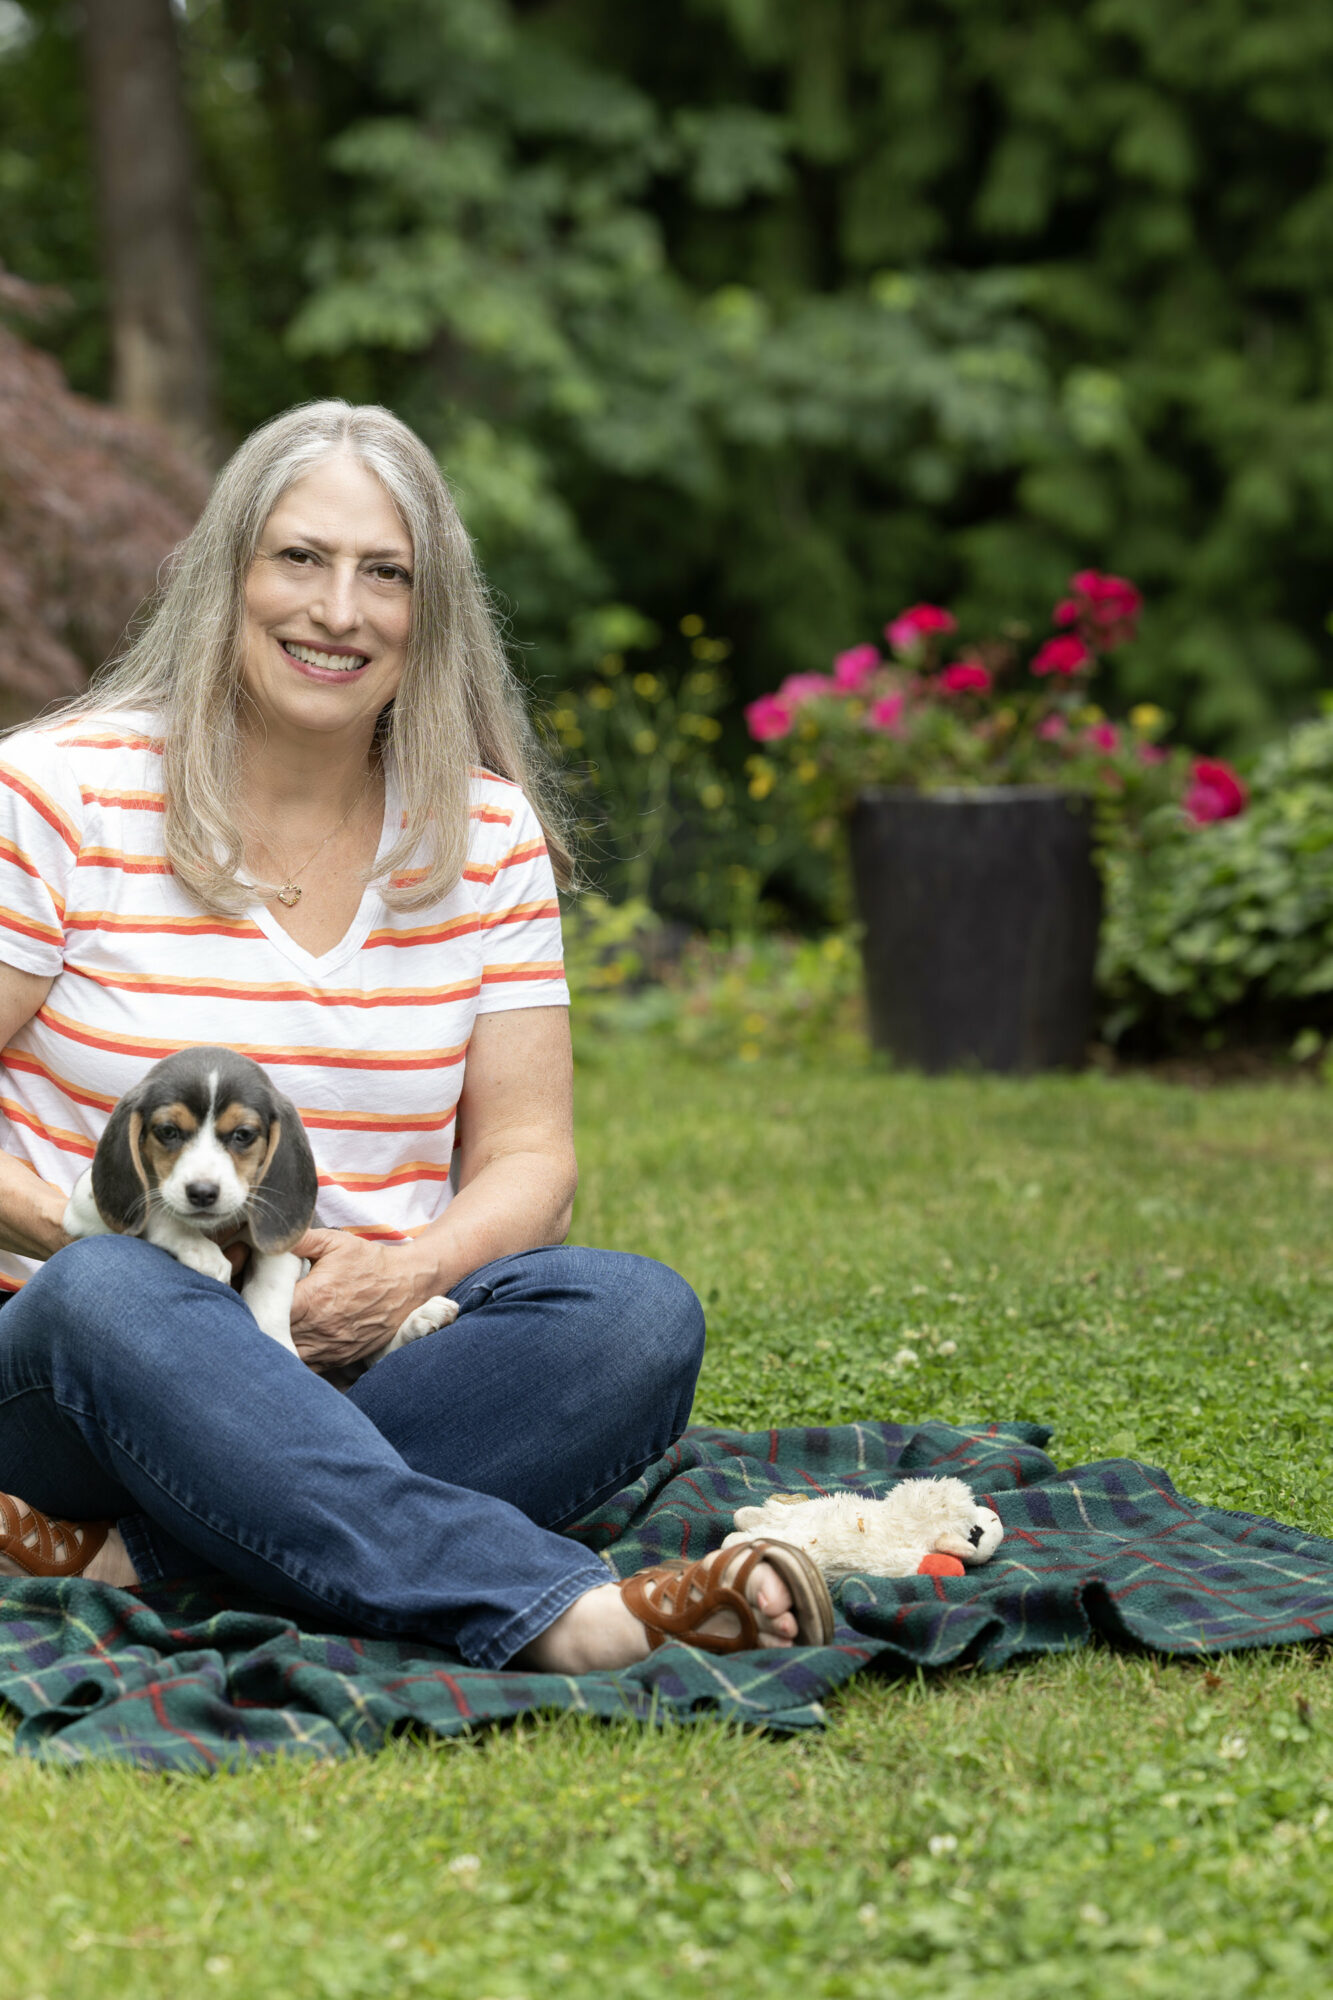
x=688, y=1594
x=45, y=1544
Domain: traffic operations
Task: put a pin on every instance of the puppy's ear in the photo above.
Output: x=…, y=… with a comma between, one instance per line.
x=120, y=1180
x=286, y=1189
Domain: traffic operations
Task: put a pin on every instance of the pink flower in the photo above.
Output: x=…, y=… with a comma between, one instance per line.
x=768, y=717
x=965, y=677
x=852, y=669
x=1152, y=753
x=1215, y=792
x=1104, y=736
x=1061, y=656
x=1104, y=608
x=798, y=688
x=1052, y=728
x=909, y=631
x=885, y=714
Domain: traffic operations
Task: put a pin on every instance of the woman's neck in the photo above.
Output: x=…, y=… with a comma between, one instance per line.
x=286, y=772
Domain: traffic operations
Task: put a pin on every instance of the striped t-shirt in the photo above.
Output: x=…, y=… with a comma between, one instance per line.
x=369, y=1040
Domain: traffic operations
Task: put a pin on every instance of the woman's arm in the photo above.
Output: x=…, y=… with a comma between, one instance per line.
x=30, y=1208
x=516, y=1192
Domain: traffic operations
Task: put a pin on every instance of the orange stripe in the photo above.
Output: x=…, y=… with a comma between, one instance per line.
x=527, y=850
x=500, y=975
x=11, y=1285
x=14, y=920
x=425, y=933
x=375, y=1121
x=129, y=864
x=411, y=1170
x=315, y=1058
x=11, y=852
x=108, y=740
x=60, y=822
x=233, y=989
x=33, y=1066
x=152, y=802
x=374, y=1232
x=520, y=913
x=491, y=815
x=68, y=1142
x=107, y=920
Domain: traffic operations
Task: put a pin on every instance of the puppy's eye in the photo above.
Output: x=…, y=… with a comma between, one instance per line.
x=167, y=1135
x=243, y=1136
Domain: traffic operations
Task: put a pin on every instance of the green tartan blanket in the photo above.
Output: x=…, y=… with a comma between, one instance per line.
x=198, y=1676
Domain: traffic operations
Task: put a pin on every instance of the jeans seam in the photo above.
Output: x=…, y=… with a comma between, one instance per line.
x=527, y=1624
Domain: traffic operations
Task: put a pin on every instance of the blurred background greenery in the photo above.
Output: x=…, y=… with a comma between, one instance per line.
x=761, y=319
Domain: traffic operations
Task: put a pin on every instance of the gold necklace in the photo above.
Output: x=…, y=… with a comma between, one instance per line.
x=291, y=892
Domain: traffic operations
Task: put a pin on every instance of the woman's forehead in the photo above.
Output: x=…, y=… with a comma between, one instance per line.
x=340, y=505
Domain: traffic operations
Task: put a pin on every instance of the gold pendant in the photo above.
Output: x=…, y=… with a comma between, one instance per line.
x=289, y=895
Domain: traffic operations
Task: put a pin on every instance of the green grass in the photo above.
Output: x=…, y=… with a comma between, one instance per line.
x=1145, y=1268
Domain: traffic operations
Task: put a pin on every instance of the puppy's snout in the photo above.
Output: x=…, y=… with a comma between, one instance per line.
x=201, y=1194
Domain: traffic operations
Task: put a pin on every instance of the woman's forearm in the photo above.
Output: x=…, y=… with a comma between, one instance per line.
x=518, y=1201
x=30, y=1211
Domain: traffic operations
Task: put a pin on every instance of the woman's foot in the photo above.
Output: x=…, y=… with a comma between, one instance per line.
x=600, y=1633
x=37, y=1544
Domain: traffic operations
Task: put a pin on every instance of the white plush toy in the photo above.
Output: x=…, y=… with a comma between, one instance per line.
x=928, y=1527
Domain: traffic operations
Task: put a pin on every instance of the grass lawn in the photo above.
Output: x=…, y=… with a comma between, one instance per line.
x=1143, y=1267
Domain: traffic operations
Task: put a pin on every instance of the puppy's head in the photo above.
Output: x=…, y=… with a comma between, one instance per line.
x=207, y=1137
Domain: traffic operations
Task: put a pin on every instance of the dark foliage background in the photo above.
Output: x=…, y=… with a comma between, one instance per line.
x=783, y=312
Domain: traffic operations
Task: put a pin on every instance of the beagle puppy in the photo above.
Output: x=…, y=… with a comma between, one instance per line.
x=205, y=1152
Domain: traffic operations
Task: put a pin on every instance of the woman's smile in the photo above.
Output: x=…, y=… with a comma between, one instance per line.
x=324, y=662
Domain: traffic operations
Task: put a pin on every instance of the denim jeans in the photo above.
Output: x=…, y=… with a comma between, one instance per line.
x=422, y=1502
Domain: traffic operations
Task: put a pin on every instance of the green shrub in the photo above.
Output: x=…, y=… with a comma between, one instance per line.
x=1229, y=924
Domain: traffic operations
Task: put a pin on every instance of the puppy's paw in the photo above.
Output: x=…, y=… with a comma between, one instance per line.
x=981, y=1541
x=199, y=1254
x=82, y=1217
x=436, y=1312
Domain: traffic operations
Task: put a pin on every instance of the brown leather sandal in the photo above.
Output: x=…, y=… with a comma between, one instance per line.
x=675, y=1599
x=43, y=1544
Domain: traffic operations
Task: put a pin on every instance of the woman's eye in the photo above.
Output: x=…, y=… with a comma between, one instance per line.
x=390, y=573
x=297, y=556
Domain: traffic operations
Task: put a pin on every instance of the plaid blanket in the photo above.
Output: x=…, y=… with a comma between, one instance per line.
x=198, y=1676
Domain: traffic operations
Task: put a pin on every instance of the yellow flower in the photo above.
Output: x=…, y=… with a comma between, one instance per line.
x=807, y=770
x=692, y=625
x=712, y=796
x=647, y=686
x=645, y=741
x=600, y=697
x=611, y=664
x=761, y=784
x=753, y=1024
x=565, y=718
x=749, y=1051
x=1146, y=717
x=572, y=738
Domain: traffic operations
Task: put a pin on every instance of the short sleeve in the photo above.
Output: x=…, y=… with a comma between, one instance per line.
x=41, y=812
x=510, y=869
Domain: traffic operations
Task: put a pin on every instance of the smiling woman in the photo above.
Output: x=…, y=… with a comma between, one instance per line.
x=303, y=817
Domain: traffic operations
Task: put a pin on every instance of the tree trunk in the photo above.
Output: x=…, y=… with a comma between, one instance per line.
x=145, y=172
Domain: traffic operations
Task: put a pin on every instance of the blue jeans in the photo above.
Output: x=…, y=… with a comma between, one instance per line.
x=422, y=1502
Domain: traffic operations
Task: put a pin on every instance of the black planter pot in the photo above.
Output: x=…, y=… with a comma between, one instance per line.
x=981, y=911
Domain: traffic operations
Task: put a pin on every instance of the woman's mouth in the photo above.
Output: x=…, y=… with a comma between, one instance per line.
x=318, y=662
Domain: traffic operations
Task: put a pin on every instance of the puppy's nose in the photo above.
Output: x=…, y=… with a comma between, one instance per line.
x=201, y=1194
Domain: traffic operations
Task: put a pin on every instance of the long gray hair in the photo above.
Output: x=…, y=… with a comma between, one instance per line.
x=458, y=705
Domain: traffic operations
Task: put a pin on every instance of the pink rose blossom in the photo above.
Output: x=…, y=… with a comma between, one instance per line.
x=1061, y=656
x=1104, y=608
x=885, y=714
x=1215, y=792
x=768, y=717
x=798, y=688
x=965, y=677
x=1104, y=736
x=1052, y=728
x=911, y=628
x=1152, y=753
x=852, y=669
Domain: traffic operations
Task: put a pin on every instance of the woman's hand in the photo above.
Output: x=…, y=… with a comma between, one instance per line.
x=355, y=1296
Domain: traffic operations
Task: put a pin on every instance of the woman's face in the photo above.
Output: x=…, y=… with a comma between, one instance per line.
x=328, y=603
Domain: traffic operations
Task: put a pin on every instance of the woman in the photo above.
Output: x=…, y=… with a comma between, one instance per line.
x=300, y=817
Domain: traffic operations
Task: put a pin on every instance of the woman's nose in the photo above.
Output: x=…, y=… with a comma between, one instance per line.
x=335, y=602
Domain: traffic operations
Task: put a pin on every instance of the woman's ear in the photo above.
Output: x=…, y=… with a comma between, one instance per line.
x=282, y=1200
x=120, y=1182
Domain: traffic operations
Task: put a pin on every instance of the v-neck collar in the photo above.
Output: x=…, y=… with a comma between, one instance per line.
x=317, y=970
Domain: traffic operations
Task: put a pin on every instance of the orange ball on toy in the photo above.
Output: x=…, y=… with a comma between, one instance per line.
x=937, y=1565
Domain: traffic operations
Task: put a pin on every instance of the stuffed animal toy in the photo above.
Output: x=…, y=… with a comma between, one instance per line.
x=925, y=1527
